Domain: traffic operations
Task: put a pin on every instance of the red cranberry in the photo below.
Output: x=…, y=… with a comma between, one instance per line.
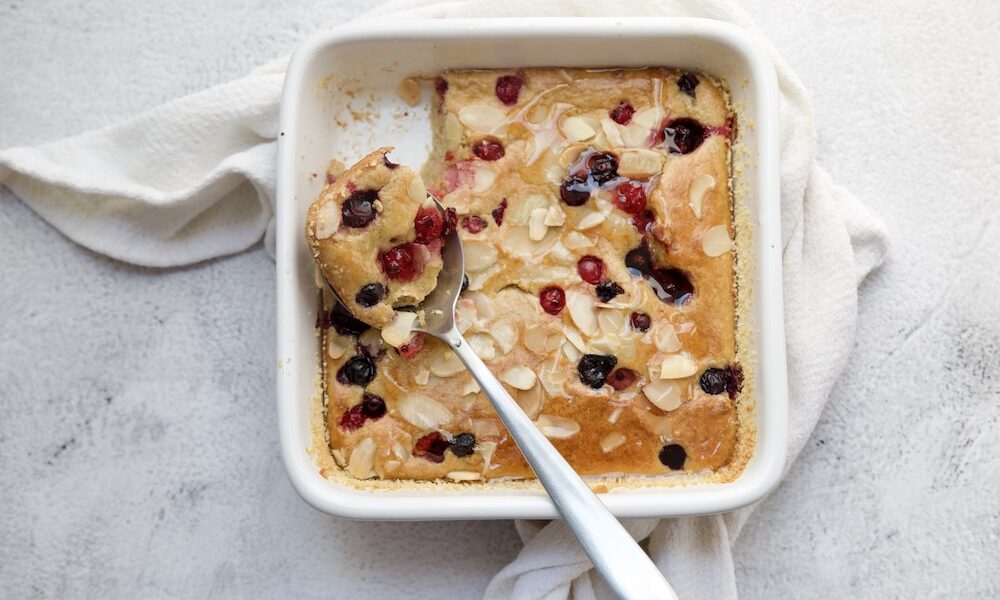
x=412, y=347
x=399, y=262
x=552, y=299
x=643, y=221
x=673, y=456
x=358, y=210
x=463, y=444
x=499, y=211
x=428, y=224
x=683, y=136
x=370, y=294
x=353, y=418
x=631, y=197
x=594, y=369
x=431, y=447
x=372, y=406
x=450, y=222
x=686, y=83
x=441, y=86
x=591, y=269
x=603, y=167
x=358, y=370
x=488, y=150
x=607, y=290
x=474, y=224
x=574, y=190
x=622, y=114
x=622, y=378
x=640, y=321
x=508, y=88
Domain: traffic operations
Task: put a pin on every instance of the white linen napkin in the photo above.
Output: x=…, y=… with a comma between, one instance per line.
x=194, y=179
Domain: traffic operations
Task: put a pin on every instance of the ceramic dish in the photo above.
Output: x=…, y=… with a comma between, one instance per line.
x=340, y=101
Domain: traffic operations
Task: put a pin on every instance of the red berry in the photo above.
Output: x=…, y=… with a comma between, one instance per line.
x=400, y=262
x=488, y=150
x=603, y=167
x=631, y=197
x=508, y=88
x=622, y=113
x=353, y=418
x=412, y=347
x=622, y=378
x=643, y=220
x=640, y=321
x=552, y=299
x=591, y=269
x=431, y=447
x=499, y=211
x=441, y=86
x=574, y=191
x=428, y=224
x=474, y=224
x=450, y=222
x=372, y=406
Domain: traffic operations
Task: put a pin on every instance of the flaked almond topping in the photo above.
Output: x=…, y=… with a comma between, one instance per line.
x=482, y=345
x=590, y=219
x=446, y=364
x=534, y=339
x=505, y=333
x=478, y=255
x=677, y=366
x=611, y=321
x=557, y=428
x=463, y=476
x=615, y=414
x=400, y=330
x=577, y=129
x=422, y=411
x=554, y=216
x=696, y=193
x=581, y=310
x=471, y=387
x=484, y=176
x=530, y=400
x=336, y=345
x=577, y=241
x=362, y=459
x=639, y=163
x=612, y=132
x=409, y=91
x=536, y=224
x=484, y=306
x=612, y=441
x=716, y=242
x=570, y=155
x=422, y=377
x=553, y=380
x=416, y=190
x=327, y=220
x=487, y=449
x=521, y=378
x=609, y=345
x=519, y=213
x=338, y=457
x=465, y=315
x=481, y=118
x=574, y=338
x=665, y=395
x=484, y=429
x=390, y=466
x=571, y=352
x=399, y=450
x=665, y=338
x=648, y=117
x=378, y=206
x=537, y=114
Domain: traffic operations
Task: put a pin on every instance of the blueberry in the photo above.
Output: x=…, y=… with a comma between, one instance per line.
x=370, y=294
x=358, y=370
x=358, y=210
x=594, y=369
x=673, y=456
x=607, y=290
x=683, y=136
x=345, y=323
x=603, y=167
x=686, y=83
x=713, y=381
x=463, y=444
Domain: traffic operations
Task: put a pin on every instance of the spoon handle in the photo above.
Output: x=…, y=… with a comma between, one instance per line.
x=626, y=568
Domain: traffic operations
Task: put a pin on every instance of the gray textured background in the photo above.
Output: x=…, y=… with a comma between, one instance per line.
x=108, y=490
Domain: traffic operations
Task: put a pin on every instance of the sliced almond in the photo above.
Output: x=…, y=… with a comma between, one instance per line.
x=519, y=213
x=581, y=310
x=715, y=241
x=639, y=163
x=535, y=339
x=409, y=91
x=465, y=315
x=530, y=400
x=478, y=255
x=612, y=441
x=677, y=366
x=577, y=241
x=471, y=387
x=574, y=338
x=696, y=193
x=362, y=459
x=487, y=449
x=335, y=345
x=570, y=154
x=422, y=377
x=612, y=132
x=576, y=129
x=537, y=114
x=484, y=176
x=536, y=224
x=571, y=352
x=446, y=364
x=615, y=414
x=665, y=338
x=481, y=118
x=484, y=306
x=423, y=411
x=482, y=345
x=327, y=220
x=463, y=476
x=505, y=333
x=485, y=429
x=611, y=321
x=400, y=330
x=338, y=457
x=416, y=190
x=553, y=381
x=590, y=220
x=561, y=254
x=665, y=395
x=648, y=117
x=519, y=377
x=554, y=216
x=557, y=428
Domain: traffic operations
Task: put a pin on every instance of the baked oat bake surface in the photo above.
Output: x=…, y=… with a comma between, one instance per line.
x=559, y=120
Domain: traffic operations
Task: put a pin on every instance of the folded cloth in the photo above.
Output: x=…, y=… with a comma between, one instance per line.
x=194, y=179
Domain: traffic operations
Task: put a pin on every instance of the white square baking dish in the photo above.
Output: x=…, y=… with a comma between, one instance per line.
x=339, y=101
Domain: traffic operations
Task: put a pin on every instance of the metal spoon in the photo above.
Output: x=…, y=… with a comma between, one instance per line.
x=626, y=568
